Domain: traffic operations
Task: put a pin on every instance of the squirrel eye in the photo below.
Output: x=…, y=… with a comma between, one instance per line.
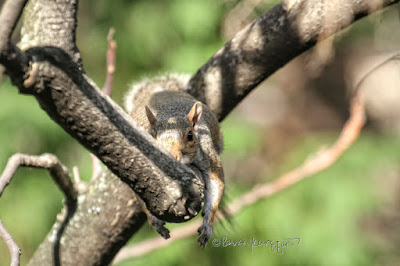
x=190, y=135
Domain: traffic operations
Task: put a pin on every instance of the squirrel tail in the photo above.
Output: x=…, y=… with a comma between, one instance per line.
x=171, y=81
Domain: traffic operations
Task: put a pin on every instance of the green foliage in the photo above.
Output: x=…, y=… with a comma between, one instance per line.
x=152, y=37
x=240, y=138
x=29, y=205
x=174, y=36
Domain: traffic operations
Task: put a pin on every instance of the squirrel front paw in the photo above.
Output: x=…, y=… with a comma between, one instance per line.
x=158, y=225
x=205, y=232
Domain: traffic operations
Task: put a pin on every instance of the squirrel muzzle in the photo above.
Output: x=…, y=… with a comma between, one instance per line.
x=172, y=141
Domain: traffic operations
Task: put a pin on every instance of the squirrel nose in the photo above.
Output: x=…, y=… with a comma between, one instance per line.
x=176, y=155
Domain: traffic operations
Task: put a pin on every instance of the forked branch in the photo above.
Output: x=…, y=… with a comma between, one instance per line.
x=58, y=172
x=60, y=175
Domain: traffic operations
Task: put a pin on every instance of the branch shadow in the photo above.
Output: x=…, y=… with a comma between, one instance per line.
x=71, y=208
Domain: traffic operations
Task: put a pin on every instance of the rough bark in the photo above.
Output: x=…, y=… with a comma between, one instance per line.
x=105, y=218
x=52, y=72
x=51, y=23
x=93, y=232
x=268, y=43
x=74, y=102
x=167, y=187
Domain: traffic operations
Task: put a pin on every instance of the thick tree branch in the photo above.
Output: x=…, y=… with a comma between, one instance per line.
x=51, y=23
x=10, y=14
x=105, y=219
x=168, y=187
x=319, y=162
x=71, y=99
x=15, y=62
x=261, y=48
x=15, y=252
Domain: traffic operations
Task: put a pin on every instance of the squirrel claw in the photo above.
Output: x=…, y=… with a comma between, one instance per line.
x=158, y=225
x=205, y=232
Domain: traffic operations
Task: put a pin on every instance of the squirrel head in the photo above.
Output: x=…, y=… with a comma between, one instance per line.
x=178, y=135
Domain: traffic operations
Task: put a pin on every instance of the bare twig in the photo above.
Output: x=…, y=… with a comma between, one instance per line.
x=75, y=173
x=110, y=62
x=96, y=166
x=155, y=243
x=107, y=89
x=60, y=175
x=58, y=172
x=80, y=185
x=318, y=163
x=10, y=14
x=391, y=58
x=15, y=252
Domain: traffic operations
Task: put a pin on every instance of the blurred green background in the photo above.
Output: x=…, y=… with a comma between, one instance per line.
x=346, y=215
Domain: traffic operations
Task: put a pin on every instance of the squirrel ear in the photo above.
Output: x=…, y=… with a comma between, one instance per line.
x=150, y=116
x=195, y=114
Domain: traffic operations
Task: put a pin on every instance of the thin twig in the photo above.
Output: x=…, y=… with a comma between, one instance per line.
x=80, y=185
x=75, y=173
x=110, y=62
x=61, y=177
x=96, y=167
x=319, y=162
x=107, y=89
x=9, y=16
x=58, y=172
x=15, y=251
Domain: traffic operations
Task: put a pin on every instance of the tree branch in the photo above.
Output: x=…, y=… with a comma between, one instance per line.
x=101, y=126
x=112, y=45
x=10, y=14
x=73, y=101
x=60, y=175
x=105, y=219
x=58, y=172
x=15, y=251
x=107, y=88
x=321, y=161
x=47, y=23
x=11, y=57
x=268, y=43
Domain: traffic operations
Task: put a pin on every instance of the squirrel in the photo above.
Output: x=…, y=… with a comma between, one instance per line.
x=188, y=130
